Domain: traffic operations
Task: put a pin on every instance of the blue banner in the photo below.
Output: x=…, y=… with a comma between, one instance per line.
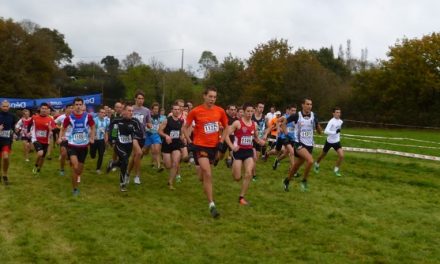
x=57, y=103
x=19, y=103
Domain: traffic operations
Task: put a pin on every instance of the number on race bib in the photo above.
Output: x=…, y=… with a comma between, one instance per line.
x=79, y=137
x=125, y=139
x=246, y=141
x=41, y=133
x=307, y=133
x=5, y=133
x=290, y=129
x=174, y=134
x=211, y=127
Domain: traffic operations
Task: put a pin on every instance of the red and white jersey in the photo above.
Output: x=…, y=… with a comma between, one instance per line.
x=23, y=125
x=244, y=137
x=41, y=128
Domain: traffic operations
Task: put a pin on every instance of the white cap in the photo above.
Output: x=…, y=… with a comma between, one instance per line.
x=277, y=113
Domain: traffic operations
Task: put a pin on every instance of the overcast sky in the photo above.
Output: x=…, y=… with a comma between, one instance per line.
x=160, y=29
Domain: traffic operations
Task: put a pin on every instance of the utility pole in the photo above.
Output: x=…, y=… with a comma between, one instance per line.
x=181, y=65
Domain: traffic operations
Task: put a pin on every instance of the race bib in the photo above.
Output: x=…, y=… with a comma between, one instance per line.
x=5, y=133
x=125, y=139
x=307, y=133
x=246, y=141
x=79, y=137
x=174, y=134
x=41, y=133
x=290, y=129
x=211, y=127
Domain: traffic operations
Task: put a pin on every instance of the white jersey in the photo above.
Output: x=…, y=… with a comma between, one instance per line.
x=330, y=130
x=59, y=122
x=305, y=127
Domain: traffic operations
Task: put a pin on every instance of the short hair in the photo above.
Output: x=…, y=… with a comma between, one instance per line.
x=336, y=108
x=293, y=106
x=44, y=104
x=139, y=92
x=209, y=89
x=155, y=104
x=231, y=105
x=177, y=101
x=78, y=99
x=305, y=99
x=259, y=103
x=175, y=104
x=246, y=105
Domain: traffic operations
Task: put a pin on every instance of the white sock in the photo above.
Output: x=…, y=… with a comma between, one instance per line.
x=211, y=204
x=316, y=164
x=336, y=169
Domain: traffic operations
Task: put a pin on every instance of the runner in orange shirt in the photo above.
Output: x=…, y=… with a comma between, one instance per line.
x=207, y=119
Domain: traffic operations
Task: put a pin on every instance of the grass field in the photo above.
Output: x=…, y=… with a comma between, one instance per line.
x=385, y=209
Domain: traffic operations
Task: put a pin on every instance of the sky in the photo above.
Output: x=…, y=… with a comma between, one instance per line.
x=161, y=29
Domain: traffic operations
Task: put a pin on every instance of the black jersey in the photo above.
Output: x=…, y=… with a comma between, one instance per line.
x=173, y=128
x=126, y=130
x=261, y=124
x=8, y=121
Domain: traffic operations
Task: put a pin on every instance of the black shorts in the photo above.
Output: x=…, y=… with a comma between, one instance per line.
x=258, y=147
x=335, y=146
x=41, y=147
x=141, y=142
x=280, y=143
x=298, y=146
x=64, y=144
x=80, y=153
x=204, y=152
x=28, y=139
x=168, y=148
x=243, y=154
x=225, y=146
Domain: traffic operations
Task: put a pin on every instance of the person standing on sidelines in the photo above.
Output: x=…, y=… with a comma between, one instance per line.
x=81, y=135
x=7, y=126
x=171, y=131
x=128, y=135
x=22, y=127
x=306, y=121
x=152, y=137
x=63, y=145
x=41, y=128
x=245, y=132
x=101, y=124
x=207, y=120
x=333, y=130
x=143, y=115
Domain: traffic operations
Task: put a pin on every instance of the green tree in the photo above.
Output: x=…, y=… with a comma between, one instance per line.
x=111, y=65
x=208, y=62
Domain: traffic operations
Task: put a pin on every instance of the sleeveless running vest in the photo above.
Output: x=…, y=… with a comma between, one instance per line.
x=173, y=128
x=244, y=136
x=305, y=128
x=79, y=136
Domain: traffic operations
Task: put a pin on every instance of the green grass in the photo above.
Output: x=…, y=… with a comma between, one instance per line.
x=413, y=141
x=385, y=209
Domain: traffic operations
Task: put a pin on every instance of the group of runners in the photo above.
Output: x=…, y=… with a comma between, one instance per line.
x=202, y=135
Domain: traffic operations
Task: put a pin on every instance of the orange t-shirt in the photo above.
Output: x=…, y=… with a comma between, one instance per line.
x=273, y=125
x=207, y=124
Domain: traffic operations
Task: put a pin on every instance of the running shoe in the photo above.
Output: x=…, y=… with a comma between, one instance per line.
x=61, y=172
x=160, y=169
x=275, y=164
x=5, y=180
x=228, y=163
x=137, y=180
x=296, y=175
x=338, y=174
x=171, y=187
x=316, y=168
x=178, y=178
x=214, y=212
x=123, y=188
x=243, y=201
x=254, y=178
x=264, y=157
x=35, y=171
x=286, y=184
x=109, y=166
x=27, y=160
x=304, y=186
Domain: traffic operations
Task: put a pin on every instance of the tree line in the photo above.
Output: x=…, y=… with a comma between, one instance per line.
x=404, y=88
